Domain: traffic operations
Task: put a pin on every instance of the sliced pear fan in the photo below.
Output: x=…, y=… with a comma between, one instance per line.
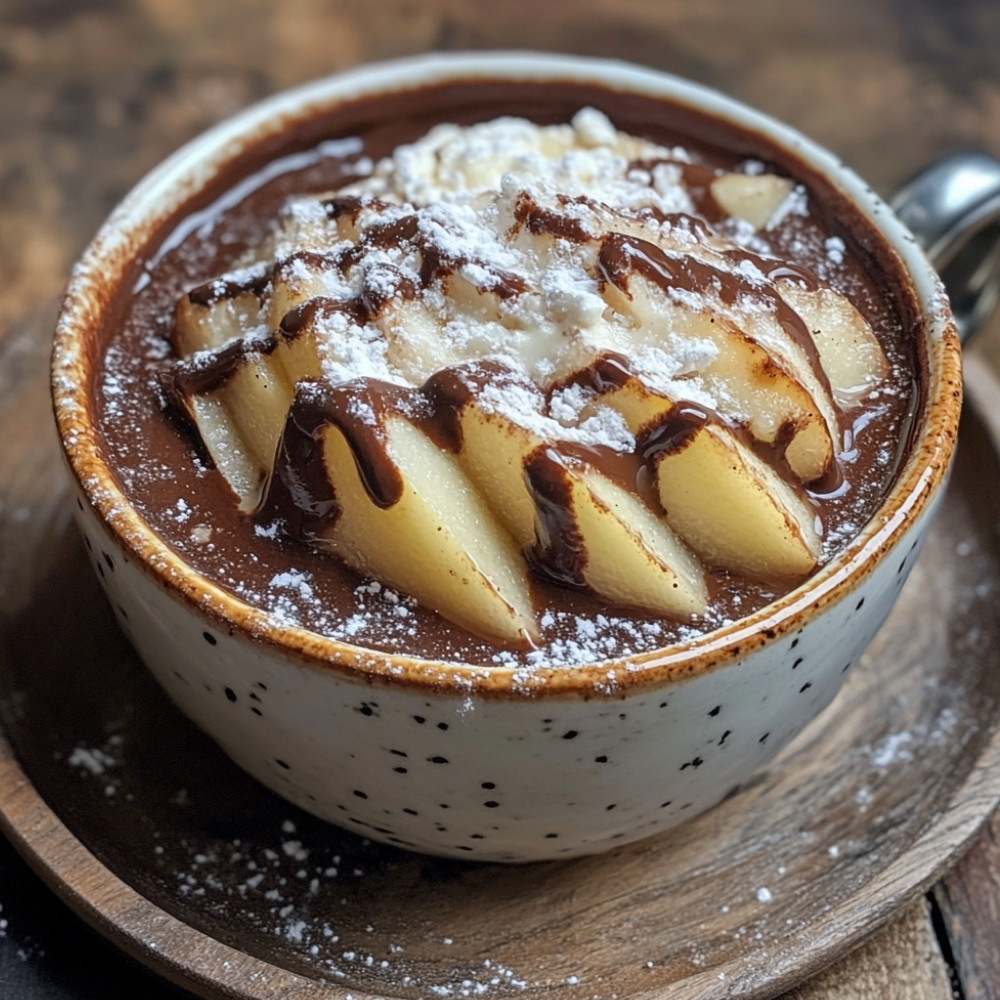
x=439, y=542
x=465, y=523
x=748, y=377
x=629, y=555
x=734, y=510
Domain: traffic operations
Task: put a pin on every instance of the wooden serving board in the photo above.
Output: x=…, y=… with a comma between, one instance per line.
x=144, y=828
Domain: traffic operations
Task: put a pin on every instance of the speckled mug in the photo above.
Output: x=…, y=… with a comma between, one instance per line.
x=470, y=761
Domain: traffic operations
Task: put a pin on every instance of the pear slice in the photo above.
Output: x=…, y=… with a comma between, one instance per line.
x=750, y=379
x=224, y=310
x=734, y=510
x=241, y=419
x=624, y=551
x=850, y=353
x=438, y=542
x=299, y=278
x=753, y=197
x=257, y=398
x=632, y=557
x=416, y=344
x=305, y=223
x=304, y=293
x=221, y=327
x=638, y=404
x=492, y=454
x=241, y=416
x=221, y=437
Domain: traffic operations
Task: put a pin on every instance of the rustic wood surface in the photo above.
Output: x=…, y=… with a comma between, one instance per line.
x=94, y=93
x=143, y=827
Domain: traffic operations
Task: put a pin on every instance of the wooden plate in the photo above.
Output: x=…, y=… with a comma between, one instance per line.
x=144, y=828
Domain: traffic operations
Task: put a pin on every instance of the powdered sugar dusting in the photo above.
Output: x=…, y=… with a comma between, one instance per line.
x=472, y=246
x=287, y=882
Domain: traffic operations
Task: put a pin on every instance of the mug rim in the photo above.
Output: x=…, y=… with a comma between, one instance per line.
x=164, y=190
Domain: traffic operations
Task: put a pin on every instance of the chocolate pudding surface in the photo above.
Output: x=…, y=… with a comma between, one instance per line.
x=165, y=474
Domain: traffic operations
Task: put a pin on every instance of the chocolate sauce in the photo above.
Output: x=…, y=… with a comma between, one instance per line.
x=198, y=375
x=229, y=288
x=540, y=221
x=622, y=255
x=301, y=318
x=300, y=494
x=158, y=466
x=697, y=179
x=449, y=390
x=675, y=430
x=559, y=553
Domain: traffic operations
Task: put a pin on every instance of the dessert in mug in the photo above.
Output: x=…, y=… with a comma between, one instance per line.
x=535, y=438
x=550, y=380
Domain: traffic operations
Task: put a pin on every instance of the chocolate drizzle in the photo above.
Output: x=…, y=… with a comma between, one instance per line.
x=341, y=205
x=670, y=434
x=205, y=373
x=449, y=390
x=543, y=221
x=622, y=255
x=309, y=314
x=300, y=493
x=607, y=371
x=559, y=553
x=255, y=283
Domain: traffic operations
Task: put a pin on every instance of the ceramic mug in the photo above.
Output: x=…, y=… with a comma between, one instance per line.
x=564, y=762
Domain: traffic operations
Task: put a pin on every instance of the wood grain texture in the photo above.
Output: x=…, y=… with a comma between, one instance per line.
x=94, y=93
x=904, y=963
x=969, y=901
x=969, y=897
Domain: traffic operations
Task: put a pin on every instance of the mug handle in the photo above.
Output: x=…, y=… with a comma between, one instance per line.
x=952, y=208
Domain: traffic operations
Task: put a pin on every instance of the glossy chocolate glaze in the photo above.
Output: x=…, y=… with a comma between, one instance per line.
x=202, y=374
x=622, y=255
x=159, y=467
x=559, y=554
x=229, y=288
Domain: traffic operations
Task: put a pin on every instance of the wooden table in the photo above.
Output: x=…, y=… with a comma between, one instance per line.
x=94, y=93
